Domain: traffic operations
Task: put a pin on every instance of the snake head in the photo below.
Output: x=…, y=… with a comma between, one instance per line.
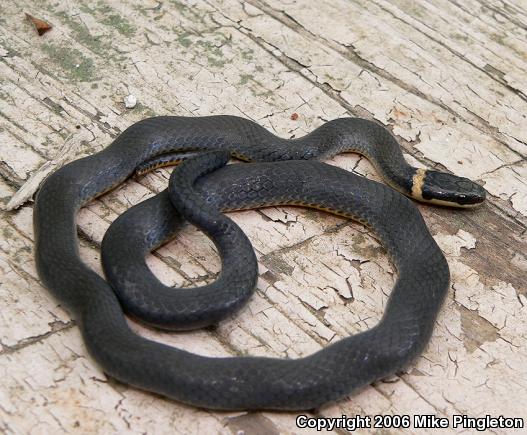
x=447, y=189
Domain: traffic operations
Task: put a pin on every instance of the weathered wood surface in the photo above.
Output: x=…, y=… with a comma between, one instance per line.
x=447, y=77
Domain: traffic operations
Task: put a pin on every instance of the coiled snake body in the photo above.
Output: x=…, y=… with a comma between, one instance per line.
x=200, y=188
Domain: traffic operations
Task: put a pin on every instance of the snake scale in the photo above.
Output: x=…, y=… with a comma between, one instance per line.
x=200, y=188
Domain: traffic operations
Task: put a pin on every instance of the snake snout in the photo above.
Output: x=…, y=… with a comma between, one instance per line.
x=457, y=191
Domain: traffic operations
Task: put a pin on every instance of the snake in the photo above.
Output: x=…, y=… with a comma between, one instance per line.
x=278, y=172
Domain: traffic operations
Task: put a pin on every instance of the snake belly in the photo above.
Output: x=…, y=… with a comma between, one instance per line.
x=246, y=382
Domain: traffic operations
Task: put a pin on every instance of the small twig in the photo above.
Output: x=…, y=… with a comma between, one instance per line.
x=28, y=189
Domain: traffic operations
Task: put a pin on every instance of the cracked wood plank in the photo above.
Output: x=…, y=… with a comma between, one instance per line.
x=456, y=100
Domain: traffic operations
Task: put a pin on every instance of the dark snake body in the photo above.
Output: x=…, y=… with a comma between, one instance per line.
x=249, y=382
